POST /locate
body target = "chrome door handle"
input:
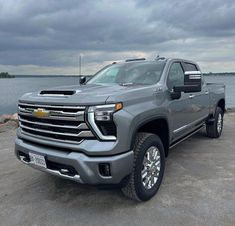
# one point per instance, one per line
(191, 96)
(206, 92)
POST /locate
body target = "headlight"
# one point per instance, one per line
(101, 120)
(105, 112)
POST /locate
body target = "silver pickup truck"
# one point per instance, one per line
(117, 128)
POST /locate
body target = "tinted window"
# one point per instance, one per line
(190, 67)
(175, 76)
(146, 73)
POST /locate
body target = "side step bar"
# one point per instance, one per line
(186, 137)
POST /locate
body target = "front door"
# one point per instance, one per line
(199, 100)
(180, 110)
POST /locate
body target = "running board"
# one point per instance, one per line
(187, 136)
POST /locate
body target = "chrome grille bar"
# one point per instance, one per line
(80, 134)
(52, 106)
(51, 139)
(53, 112)
(78, 118)
(30, 110)
(80, 126)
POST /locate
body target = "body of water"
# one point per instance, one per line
(12, 89)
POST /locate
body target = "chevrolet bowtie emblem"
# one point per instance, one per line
(41, 113)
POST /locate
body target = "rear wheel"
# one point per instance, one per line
(148, 168)
(214, 129)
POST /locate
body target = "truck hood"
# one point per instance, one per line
(90, 94)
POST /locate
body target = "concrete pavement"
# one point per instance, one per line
(198, 189)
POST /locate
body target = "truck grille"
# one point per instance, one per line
(58, 123)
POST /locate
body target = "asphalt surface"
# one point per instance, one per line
(198, 189)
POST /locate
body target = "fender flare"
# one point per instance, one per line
(145, 121)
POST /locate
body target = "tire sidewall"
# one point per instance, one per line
(143, 193)
(218, 112)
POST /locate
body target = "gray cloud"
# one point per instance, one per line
(202, 18)
(51, 33)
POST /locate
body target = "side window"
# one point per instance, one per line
(175, 76)
(190, 67)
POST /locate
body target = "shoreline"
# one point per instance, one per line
(8, 121)
(230, 109)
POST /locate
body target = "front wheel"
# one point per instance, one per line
(148, 168)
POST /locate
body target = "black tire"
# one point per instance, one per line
(134, 187)
(212, 129)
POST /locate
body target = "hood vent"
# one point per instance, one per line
(57, 92)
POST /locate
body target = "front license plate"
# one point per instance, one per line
(38, 160)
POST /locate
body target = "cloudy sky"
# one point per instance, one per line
(47, 36)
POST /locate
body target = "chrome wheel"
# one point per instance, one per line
(151, 167)
(219, 123)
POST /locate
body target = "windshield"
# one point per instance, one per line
(145, 73)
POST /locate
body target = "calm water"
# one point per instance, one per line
(12, 89)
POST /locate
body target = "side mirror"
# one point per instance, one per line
(192, 82)
(175, 95)
(82, 80)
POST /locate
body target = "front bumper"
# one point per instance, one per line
(86, 168)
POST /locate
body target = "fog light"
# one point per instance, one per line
(104, 169)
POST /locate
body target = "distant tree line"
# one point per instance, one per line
(5, 75)
(219, 73)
